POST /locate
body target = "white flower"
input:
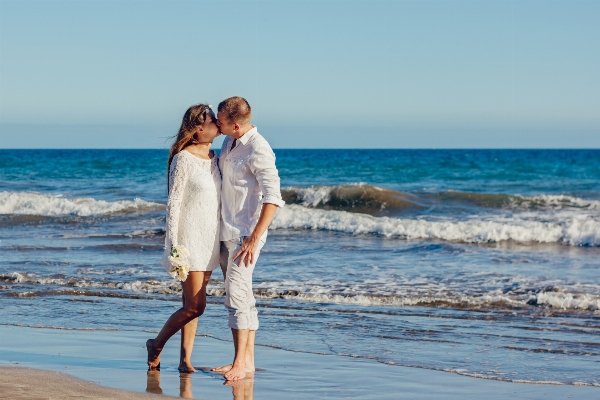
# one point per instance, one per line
(180, 268)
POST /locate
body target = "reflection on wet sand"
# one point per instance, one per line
(241, 390)
(153, 382)
(185, 386)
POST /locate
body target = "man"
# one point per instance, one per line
(250, 196)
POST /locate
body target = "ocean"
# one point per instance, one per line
(484, 263)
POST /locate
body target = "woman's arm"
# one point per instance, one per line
(177, 180)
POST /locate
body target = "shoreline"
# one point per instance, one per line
(115, 360)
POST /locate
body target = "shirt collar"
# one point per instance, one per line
(248, 135)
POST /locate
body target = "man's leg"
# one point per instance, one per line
(250, 350)
(224, 262)
(239, 368)
(243, 316)
(248, 353)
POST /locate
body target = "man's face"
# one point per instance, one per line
(225, 125)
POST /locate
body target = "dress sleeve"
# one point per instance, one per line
(178, 176)
(262, 165)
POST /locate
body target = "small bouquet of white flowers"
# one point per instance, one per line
(180, 267)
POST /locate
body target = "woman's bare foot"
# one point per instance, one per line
(153, 356)
(186, 368)
(222, 370)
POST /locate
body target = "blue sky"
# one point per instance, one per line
(317, 73)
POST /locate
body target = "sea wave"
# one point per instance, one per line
(149, 286)
(359, 198)
(558, 301)
(30, 203)
(376, 200)
(564, 299)
(138, 233)
(573, 230)
(544, 202)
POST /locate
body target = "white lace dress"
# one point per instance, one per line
(193, 218)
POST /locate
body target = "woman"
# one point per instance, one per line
(194, 184)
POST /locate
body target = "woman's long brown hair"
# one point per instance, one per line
(193, 117)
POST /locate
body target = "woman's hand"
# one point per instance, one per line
(247, 252)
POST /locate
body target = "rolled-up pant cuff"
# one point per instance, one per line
(249, 322)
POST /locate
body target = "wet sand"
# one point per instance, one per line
(116, 359)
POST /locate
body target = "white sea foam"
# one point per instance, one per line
(398, 296)
(569, 301)
(29, 203)
(572, 229)
(314, 195)
(562, 201)
(150, 286)
(563, 301)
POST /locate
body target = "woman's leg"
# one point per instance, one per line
(194, 292)
(188, 334)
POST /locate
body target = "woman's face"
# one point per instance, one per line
(209, 129)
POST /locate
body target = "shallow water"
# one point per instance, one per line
(483, 263)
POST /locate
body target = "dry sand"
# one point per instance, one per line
(27, 383)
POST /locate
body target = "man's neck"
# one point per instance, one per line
(243, 130)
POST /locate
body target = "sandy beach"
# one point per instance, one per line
(111, 364)
(27, 383)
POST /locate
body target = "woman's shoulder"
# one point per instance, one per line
(179, 159)
(182, 155)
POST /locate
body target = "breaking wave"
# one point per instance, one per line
(375, 200)
(358, 198)
(571, 230)
(29, 203)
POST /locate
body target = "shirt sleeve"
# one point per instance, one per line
(178, 176)
(262, 165)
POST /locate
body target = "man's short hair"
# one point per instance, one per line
(237, 109)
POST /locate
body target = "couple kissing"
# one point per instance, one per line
(218, 211)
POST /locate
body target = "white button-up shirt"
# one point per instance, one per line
(250, 179)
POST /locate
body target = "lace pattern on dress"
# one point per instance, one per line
(193, 218)
(177, 180)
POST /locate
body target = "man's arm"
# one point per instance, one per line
(248, 250)
(262, 165)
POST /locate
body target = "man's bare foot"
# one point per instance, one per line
(225, 369)
(222, 370)
(186, 368)
(238, 372)
(153, 356)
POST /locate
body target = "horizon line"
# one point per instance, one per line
(319, 148)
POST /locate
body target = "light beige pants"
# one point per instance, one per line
(239, 299)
